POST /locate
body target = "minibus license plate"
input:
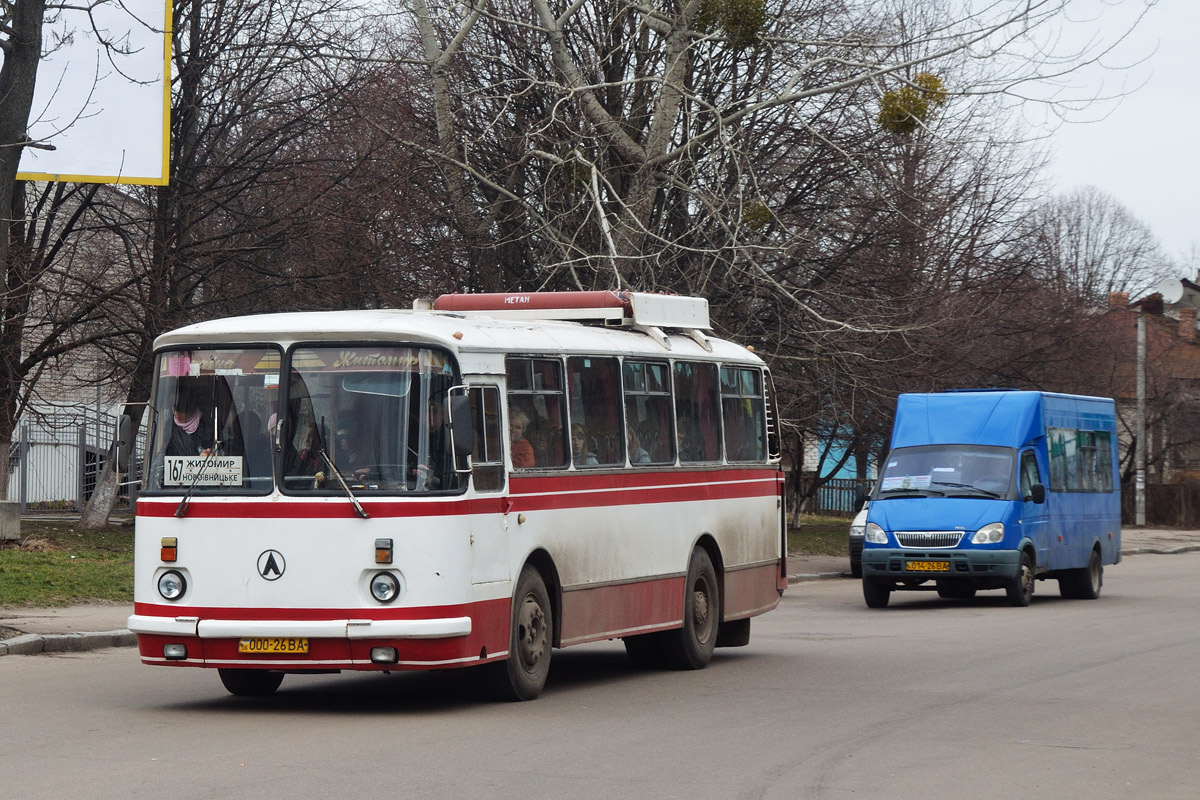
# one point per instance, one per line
(927, 566)
(273, 644)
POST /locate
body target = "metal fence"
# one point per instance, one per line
(55, 461)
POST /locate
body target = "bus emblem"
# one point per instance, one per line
(271, 565)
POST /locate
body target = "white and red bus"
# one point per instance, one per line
(473, 482)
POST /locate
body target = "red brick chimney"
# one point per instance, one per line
(1118, 299)
(1187, 323)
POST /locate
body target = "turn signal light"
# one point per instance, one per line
(170, 549)
(383, 551)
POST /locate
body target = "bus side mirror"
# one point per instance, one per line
(462, 429)
(1037, 493)
(860, 497)
(123, 443)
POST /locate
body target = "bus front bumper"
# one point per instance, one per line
(328, 628)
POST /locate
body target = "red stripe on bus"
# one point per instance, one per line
(570, 490)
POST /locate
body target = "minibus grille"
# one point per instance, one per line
(928, 538)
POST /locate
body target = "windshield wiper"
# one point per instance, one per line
(362, 512)
(897, 494)
(988, 492)
(181, 509)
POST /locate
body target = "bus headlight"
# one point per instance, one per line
(989, 534)
(874, 534)
(172, 585)
(384, 587)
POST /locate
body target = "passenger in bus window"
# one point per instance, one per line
(348, 459)
(187, 427)
(584, 455)
(637, 453)
(522, 450)
(686, 452)
(438, 473)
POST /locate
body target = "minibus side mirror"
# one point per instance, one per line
(462, 431)
(1037, 493)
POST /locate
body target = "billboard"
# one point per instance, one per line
(103, 95)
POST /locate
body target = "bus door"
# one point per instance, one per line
(489, 536)
(1035, 517)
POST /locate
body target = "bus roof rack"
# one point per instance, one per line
(629, 308)
(642, 311)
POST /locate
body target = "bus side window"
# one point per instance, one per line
(487, 460)
(593, 388)
(537, 405)
(697, 409)
(743, 412)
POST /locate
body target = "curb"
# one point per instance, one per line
(34, 643)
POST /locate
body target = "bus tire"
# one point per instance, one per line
(250, 682)
(875, 593)
(1083, 583)
(691, 646)
(1020, 589)
(522, 675)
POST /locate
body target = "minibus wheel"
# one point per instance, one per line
(691, 647)
(1084, 583)
(1020, 590)
(522, 675)
(250, 682)
(875, 593)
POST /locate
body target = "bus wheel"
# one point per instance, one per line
(523, 674)
(1083, 583)
(250, 682)
(1020, 591)
(875, 593)
(691, 647)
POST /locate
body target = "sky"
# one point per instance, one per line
(1145, 152)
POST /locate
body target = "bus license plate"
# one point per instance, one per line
(927, 566)
(272, 644)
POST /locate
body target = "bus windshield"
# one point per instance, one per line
(948, 470)
(372, 417)
(359, 418)
(209, 427)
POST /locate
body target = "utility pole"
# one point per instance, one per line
(1139, 488)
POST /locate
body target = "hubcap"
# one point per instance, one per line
(531, 632)
(701, 618)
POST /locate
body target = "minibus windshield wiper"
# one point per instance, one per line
(362, 512)
(898, 494)
(972, 488)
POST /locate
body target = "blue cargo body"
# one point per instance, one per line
(995, 490)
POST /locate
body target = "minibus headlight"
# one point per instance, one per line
(171, 585)
(874, 534)
(989, 534)
(384, 587)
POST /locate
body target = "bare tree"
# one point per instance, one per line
(1089, 246)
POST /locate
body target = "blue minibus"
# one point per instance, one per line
(995, 489)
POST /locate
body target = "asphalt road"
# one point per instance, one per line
(925, 699)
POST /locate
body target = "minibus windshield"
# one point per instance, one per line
(950, 471)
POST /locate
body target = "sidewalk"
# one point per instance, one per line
(87, 627)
